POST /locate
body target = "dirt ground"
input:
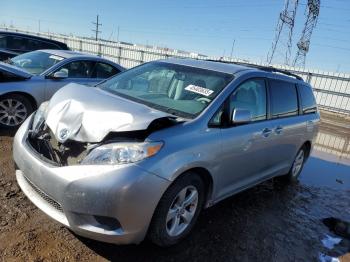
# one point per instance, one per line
(270, 222)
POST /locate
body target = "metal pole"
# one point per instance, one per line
(233, 45)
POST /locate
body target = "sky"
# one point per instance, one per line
(203, 26)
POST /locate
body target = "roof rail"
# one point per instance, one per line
(264, 68)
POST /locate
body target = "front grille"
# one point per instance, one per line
(50, 150)
(45, 197)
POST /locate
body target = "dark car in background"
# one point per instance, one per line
(13, 44)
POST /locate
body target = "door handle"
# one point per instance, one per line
(266, 132)
(278, 130)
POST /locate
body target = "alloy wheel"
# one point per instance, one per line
(182, 211)
(298, 163)
(12, 112)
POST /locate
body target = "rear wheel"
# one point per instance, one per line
(178, 210)
(14, 109)
(297, 165)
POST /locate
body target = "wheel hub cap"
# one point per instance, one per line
(182, 211)
(298, 163)
(12, 112)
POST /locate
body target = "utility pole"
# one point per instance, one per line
(118, 35)
(97, 24)
(39, 24)
(233, 45)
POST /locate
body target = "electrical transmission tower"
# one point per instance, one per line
(282, 44)
(97, 26)
(313, 10)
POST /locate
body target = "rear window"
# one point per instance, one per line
(284, 101)
(308, 102)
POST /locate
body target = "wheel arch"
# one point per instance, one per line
(31, 99)
(207, 178)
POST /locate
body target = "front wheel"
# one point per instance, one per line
(177, 211)
(14, 109)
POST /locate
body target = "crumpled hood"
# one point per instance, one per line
(14, 70)
(88, 114)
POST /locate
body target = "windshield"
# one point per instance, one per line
(36, 62)
(176, 89)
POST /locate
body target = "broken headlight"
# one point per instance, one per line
(39, 117)
(121, 153)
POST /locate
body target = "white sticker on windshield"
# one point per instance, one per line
(199, 90)
(56, 57)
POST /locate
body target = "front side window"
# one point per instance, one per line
(308, 102)
(251, 95)
(284, 99)
(177, 89)
(103, 70)
(36, 62)
(78, 69)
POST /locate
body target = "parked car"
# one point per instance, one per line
(146, 150)
(13, 44)
(34, 77)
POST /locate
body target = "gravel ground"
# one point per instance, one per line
(270, 222)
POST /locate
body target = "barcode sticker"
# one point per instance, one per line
(199, 90)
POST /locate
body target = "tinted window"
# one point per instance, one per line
(103, 70)
(78, 69)
(308, 102)
(251, 95)
(48, 45)
(25, 43)
(3, 41)
(16, 43)
(284, 101)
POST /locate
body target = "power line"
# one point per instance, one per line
(97, 24)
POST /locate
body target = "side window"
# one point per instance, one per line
(78, 69)
(16, 43)
(48, 45)
(103, 70)
(308, 102)
(284, 100)
(31, 44)
(3, 41)
(251, 95)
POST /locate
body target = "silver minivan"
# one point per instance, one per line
(143, 152)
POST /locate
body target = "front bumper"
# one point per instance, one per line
(77, 196)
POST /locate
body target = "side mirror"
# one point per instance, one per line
(241, 116)
(60, 75)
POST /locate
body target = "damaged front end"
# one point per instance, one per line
(84, 125)
(126, 147)
(44, 143)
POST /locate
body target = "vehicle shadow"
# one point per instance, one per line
(242, 227)
(8, 132)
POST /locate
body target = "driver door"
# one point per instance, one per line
(246, 156)
(79, 72)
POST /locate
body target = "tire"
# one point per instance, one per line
(163, 230)
(14, 109)
(297, 166)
